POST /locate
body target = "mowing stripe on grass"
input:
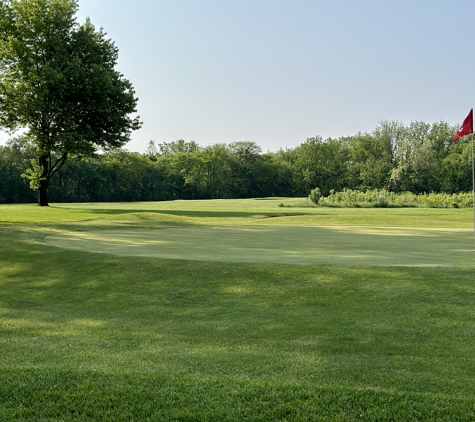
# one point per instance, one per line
(338, 245)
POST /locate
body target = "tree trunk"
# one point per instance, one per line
(43, 194)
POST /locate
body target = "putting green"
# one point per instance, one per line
(337, 245)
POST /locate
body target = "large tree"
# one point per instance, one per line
(59, 86)
(321, 164)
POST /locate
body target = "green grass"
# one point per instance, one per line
(340, 245)
(87, 336)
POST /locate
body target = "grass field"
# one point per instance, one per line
(115, 337)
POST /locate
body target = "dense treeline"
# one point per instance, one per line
(417, 158)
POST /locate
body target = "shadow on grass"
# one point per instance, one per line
(85, 334)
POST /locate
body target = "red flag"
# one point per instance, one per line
(466, 128)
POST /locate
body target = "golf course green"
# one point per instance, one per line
(310, 245)
(236, 310)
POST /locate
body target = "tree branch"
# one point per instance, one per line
(58, 164)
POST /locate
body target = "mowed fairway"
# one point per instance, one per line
(236, 310)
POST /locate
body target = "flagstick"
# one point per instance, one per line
(473, 189)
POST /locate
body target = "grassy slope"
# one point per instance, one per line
(89, 336)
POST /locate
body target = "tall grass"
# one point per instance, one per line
(381, 198)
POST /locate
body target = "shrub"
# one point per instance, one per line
(315, 195)
(381, 198)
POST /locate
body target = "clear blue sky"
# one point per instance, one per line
(279, 71)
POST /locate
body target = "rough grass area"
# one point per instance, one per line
(88, 336)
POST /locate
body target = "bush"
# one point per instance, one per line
(315, 195)
(381, 198)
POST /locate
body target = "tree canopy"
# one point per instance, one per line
(418, 158)
(59, 86)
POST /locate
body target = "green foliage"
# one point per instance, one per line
(13, 163)
(320, 163)
(58, 83)
(392, 159)
(381, 198)
(315, 196)
(34, 175)
(370, 161)
(419, 157)
(169, 148)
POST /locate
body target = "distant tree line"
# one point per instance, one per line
(417, 158)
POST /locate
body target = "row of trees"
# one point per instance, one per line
(417, 158)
